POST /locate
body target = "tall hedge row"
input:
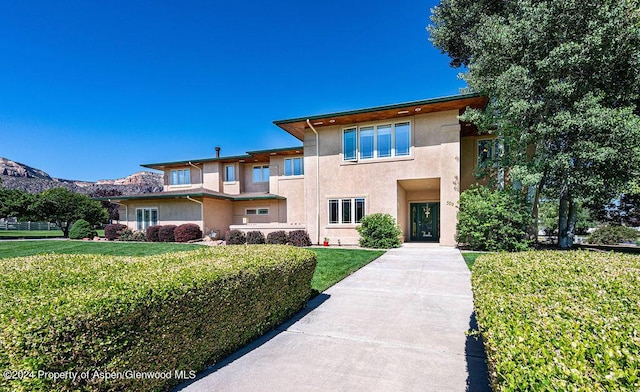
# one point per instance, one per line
(559, 321)
(163, 313)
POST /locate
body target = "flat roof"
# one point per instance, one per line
(297, 126)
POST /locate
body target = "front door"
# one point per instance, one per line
(425, 221)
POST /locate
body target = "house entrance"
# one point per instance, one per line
(425, 221)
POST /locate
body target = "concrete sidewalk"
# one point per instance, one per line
(398, 324)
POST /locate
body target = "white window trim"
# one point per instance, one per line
(151, 222)
(184, 184)
(375, 125)
(284, 169)
(246, 211)
(261, 173)
(353, 210)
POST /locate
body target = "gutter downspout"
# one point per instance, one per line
(317, 181)
(201, 210)
(201, 175)
(126, 210)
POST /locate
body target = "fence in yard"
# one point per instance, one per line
(28, 226)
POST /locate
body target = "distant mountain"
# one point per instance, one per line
(15, 175)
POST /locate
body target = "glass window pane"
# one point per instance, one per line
(154, 217)
(333, 211)
(251, 212)
(174, 177)
(257, 174)
(359, 210)
(384, 141)
(485, 150)
(346, 210)
(349, 142)
(139, 219)
(288, 167)
(187, 176)
(403, 138)
(265, 173)
(297, 167)
(230, 173)
(366, 142)
(263, 211)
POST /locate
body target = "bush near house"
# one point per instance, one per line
(166, 233)
(82, 229)
(277, 237)
(112, 232)
(613, 235)
(299, 238)
(493, 220)
(173, 311)
(152, 233)
(255, 237)
(558, 321)
(379, 231)
(131, 235)
(187, 232)
(235, 237)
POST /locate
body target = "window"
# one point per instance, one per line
(261, 174)
(256, 211)
(349, 144)
(486, 150)
(377, 141)
(346, 211)
(230, 173)
(146, 217)
(293, 167)
(180, 177)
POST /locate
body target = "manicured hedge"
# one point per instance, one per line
(560, 320)
(169, 312)
(187, 232)
(166, 233)
(112, 232)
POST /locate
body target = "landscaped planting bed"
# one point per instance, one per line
(560, 320)
(166, 313)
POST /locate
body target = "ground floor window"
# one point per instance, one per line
(146, 217)
(257, 211)
(346, 211)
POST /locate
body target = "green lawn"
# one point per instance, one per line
(333, 264)
(336, 264)
(470, 258)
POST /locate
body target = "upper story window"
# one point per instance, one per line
(261, 174)
(229, 173)
(376, 141)
(486, 150)
(180, 177)
(293, 167)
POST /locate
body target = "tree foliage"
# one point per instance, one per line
(63, 207)
(563, 77)
(17, 204)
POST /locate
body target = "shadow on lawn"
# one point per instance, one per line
(314, 303)
(477, 371)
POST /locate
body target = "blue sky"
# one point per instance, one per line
(92, 89)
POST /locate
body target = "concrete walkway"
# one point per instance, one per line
(398, 324)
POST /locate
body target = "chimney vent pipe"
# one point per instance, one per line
(217, 152)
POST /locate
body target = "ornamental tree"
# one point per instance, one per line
(563, 77)
(63, 207)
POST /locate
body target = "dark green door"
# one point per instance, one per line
(425, 221)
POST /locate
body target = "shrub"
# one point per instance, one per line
(299, 238)
(235, 237)
(131, 235)
(187, 232)
(81, 229)
(558, 321)
(277, 237)
(493, 220)
(379, 231)
(255, 237)
(166, 233)
(112, 232)
(152, 233)
(174, 311)
(613, 235)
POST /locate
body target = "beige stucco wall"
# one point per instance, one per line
(170, 211)
(212, 174)
(290, 187)
(218, 216)
(435, 153)
(274, 206)
(247, 178)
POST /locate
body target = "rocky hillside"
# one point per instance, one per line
(15, 175)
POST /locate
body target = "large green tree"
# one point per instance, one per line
(63, 207)
(563, 77)
(15, 203)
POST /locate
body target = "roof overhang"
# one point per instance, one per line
(185, 195)
(297, 126)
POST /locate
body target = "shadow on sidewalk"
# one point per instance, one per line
(477, 371)
(311, 305)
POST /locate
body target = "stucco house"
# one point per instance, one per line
(410, 160)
